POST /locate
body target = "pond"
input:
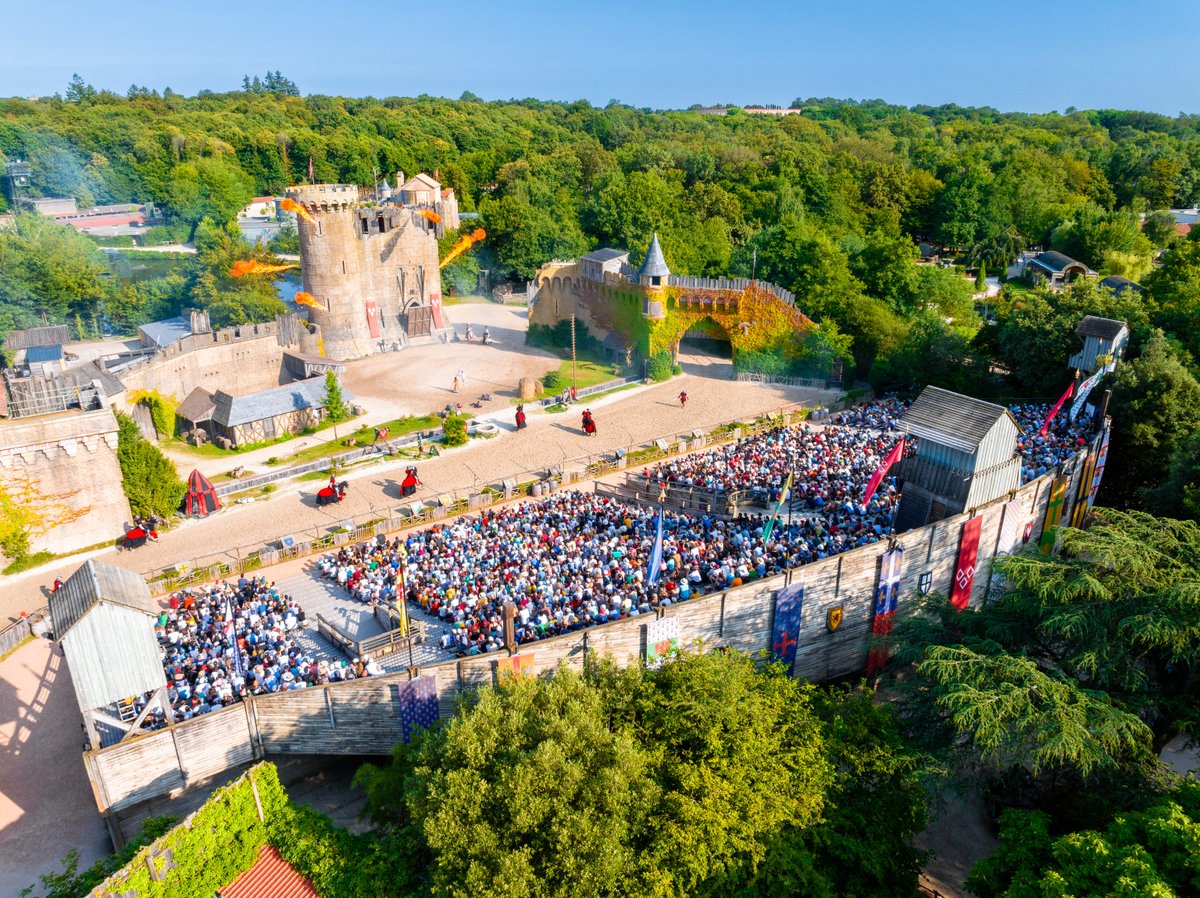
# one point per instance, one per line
(128, 268)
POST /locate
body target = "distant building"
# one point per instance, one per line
(50, 205)
(595, 265)
(42, 340)
(1056, 269)
(966, 457)
(1185, 220)
(1102, 337)
(1118, 284)
(260, 207)
(268, 414)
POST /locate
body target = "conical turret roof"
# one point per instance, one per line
(655, 265)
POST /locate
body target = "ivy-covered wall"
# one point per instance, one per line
(221, 840)
(754, 320)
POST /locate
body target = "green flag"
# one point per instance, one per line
(783, 497)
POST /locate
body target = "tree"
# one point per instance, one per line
(1147, 853)
(334, 400)
(1156, 405)
(612, 782)
(1175, 288)
(151, 483)
(981, 279)
(230, 300)
(210, 187)
(1159, 228)
(1084, 665)
(1179, 495)
(79, 91)
(28, 510)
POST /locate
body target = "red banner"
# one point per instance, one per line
(373, 320)
(877, 478)
(964, 571)
(1054, 411)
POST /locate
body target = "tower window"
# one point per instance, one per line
(343, 266)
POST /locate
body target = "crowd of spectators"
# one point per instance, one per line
(224, 642)
(577, 559)
(1063, 439)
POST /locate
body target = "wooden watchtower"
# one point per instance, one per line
(966, 457)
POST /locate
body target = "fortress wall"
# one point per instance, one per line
(237, 366)
(362, 716)
(71, 452)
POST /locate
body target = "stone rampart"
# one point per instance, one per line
(70, 453)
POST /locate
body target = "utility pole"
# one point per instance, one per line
(753, 263)
(573, 383)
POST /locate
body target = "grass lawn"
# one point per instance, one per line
(365, 436)
(212, 450)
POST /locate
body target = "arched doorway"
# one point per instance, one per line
(705, 350)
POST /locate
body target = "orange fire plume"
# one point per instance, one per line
(431, 215)
(307, 299)
(243, 267)
(287, 204)
(464, 244)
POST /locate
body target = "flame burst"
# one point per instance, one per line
(243, 267)
(431, 215)
(287, 204)
(464, 244)
(307, 299)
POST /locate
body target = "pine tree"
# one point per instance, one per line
(336, 407)
(150, 480)
(981, 279)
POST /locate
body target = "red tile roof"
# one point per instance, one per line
(270, 877)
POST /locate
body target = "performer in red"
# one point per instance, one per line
(589, 424)
(521, 425)
(409, 484)
(682, 398)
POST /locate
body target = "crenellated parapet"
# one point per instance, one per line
(318, 198)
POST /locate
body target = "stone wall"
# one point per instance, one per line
(65, 453)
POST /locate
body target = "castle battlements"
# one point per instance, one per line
(318, 198)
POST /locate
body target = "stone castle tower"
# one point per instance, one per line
(373, 267)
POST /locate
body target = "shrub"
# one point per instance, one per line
(455, 429)
(554, 381)
(661, 366)
(151, 483)
(760, 362)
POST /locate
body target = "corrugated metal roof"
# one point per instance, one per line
(96, 581)
(1104, 328)
(234, 410)
(112, 654)
(53, 335)
(198, 406)
(655, 265)
(35, 354)
(1117, 284)
(270, 877)
(953, 419)
(164, 333)
(1055, 262)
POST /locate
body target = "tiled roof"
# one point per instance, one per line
(1104, 328)
(604, 255)
(270, 877)
(54, 335)
(952, 419)
(198, 406)
(234, 410)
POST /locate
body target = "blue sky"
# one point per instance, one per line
(1013, 54)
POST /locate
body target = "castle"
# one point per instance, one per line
(371, 263)
(636, 313)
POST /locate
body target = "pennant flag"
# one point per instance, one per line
(1087, 386)
(783, 497)
(515, 666)
(418, 705)
(1055, 410)
(662, 638)
(877, 477)
(1053, 515)
(656, 554)
(231, 635)
(886, 595)
(964, 572)
(789, 602)
(1101, 460)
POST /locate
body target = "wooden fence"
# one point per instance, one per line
(22, 628)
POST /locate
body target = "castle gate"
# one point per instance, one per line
(418, 319)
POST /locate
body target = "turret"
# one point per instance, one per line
(653, 277)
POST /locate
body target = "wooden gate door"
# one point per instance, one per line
(419, 321)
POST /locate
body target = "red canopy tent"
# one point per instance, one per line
(201, 498)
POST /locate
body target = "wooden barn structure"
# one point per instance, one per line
(268, 414)
(103, 616)
(1101, 337)
(966, 457)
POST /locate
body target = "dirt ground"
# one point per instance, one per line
(46, 803)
